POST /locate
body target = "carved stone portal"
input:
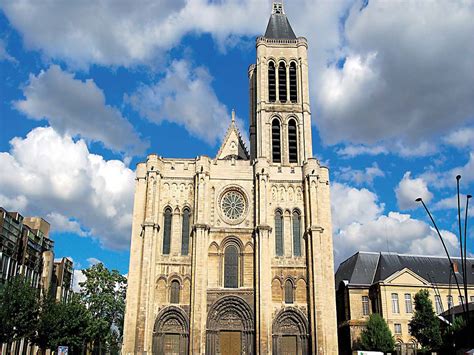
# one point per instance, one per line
(290, 332)
(171, 332)
(230, 317)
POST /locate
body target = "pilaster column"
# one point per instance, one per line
(199, 258)
(263, 253)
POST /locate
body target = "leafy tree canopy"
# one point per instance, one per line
(103, 293)
(425, 325)
(18, 310)
(377, 336)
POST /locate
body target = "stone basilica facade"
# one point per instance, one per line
(234, 254)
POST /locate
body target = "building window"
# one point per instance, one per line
(231, 267)
(398, 328)
(288, 291)
(472, 299)
(296, 234)
(271, 82)
(282, 82)
(293, 87)
(408, 304)
(395, 306)
(185, 233)
(438, 305)
(450, 301)
(167, 231)
(461, 299)
(292, 142)
(276, 141)
(174, 292)
(365, 305)
(278, 233)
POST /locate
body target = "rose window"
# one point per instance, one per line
(233, 205)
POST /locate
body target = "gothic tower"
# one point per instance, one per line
(233, 254)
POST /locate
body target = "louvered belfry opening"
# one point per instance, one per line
(282, 82)
(271, 82)
(293, 88)
(276, 141)
(292, 142)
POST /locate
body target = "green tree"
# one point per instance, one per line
(425, 325)
(377, 336)
(65, 323)
(103, 293)
(18, 311)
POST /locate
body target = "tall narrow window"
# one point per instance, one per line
(461, 299)
(167, 231)
(365, 305)
(185, 233)
(408, 303)
(296, 234)
(174, 292)
(450, 301)
(276, 141)
(288, 291)
(231, 267)
(278, 233)
(271, 82)
(282, 82)
(292, 142)
(293, 88)
(395, 306)
(439, 306)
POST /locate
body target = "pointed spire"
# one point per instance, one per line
(278, 26)
(233, 116)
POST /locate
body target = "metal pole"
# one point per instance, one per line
(444, 246)
(465, 266)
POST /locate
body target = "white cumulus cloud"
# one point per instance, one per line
(408, 190)
(78, 190)
(78, 107)
(185, 96)
(360, 225)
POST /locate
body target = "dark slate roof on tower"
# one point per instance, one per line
(365, 268)
(278, 26)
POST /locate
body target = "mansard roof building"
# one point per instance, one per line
(234, 254)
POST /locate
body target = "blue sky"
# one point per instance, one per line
(88, 89)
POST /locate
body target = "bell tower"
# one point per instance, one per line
(280, 115)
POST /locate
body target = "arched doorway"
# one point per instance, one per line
(171, 332)
(290, 333)
(230, 327)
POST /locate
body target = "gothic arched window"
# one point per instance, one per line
(174, 292)
(185, 233)
(292, 142)
(278, 233)
(271, 82)
(288, 291)
(231, 267)
(282, 82)
(293, 87)
(167, 231)
(276, 141)
(296, 234)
